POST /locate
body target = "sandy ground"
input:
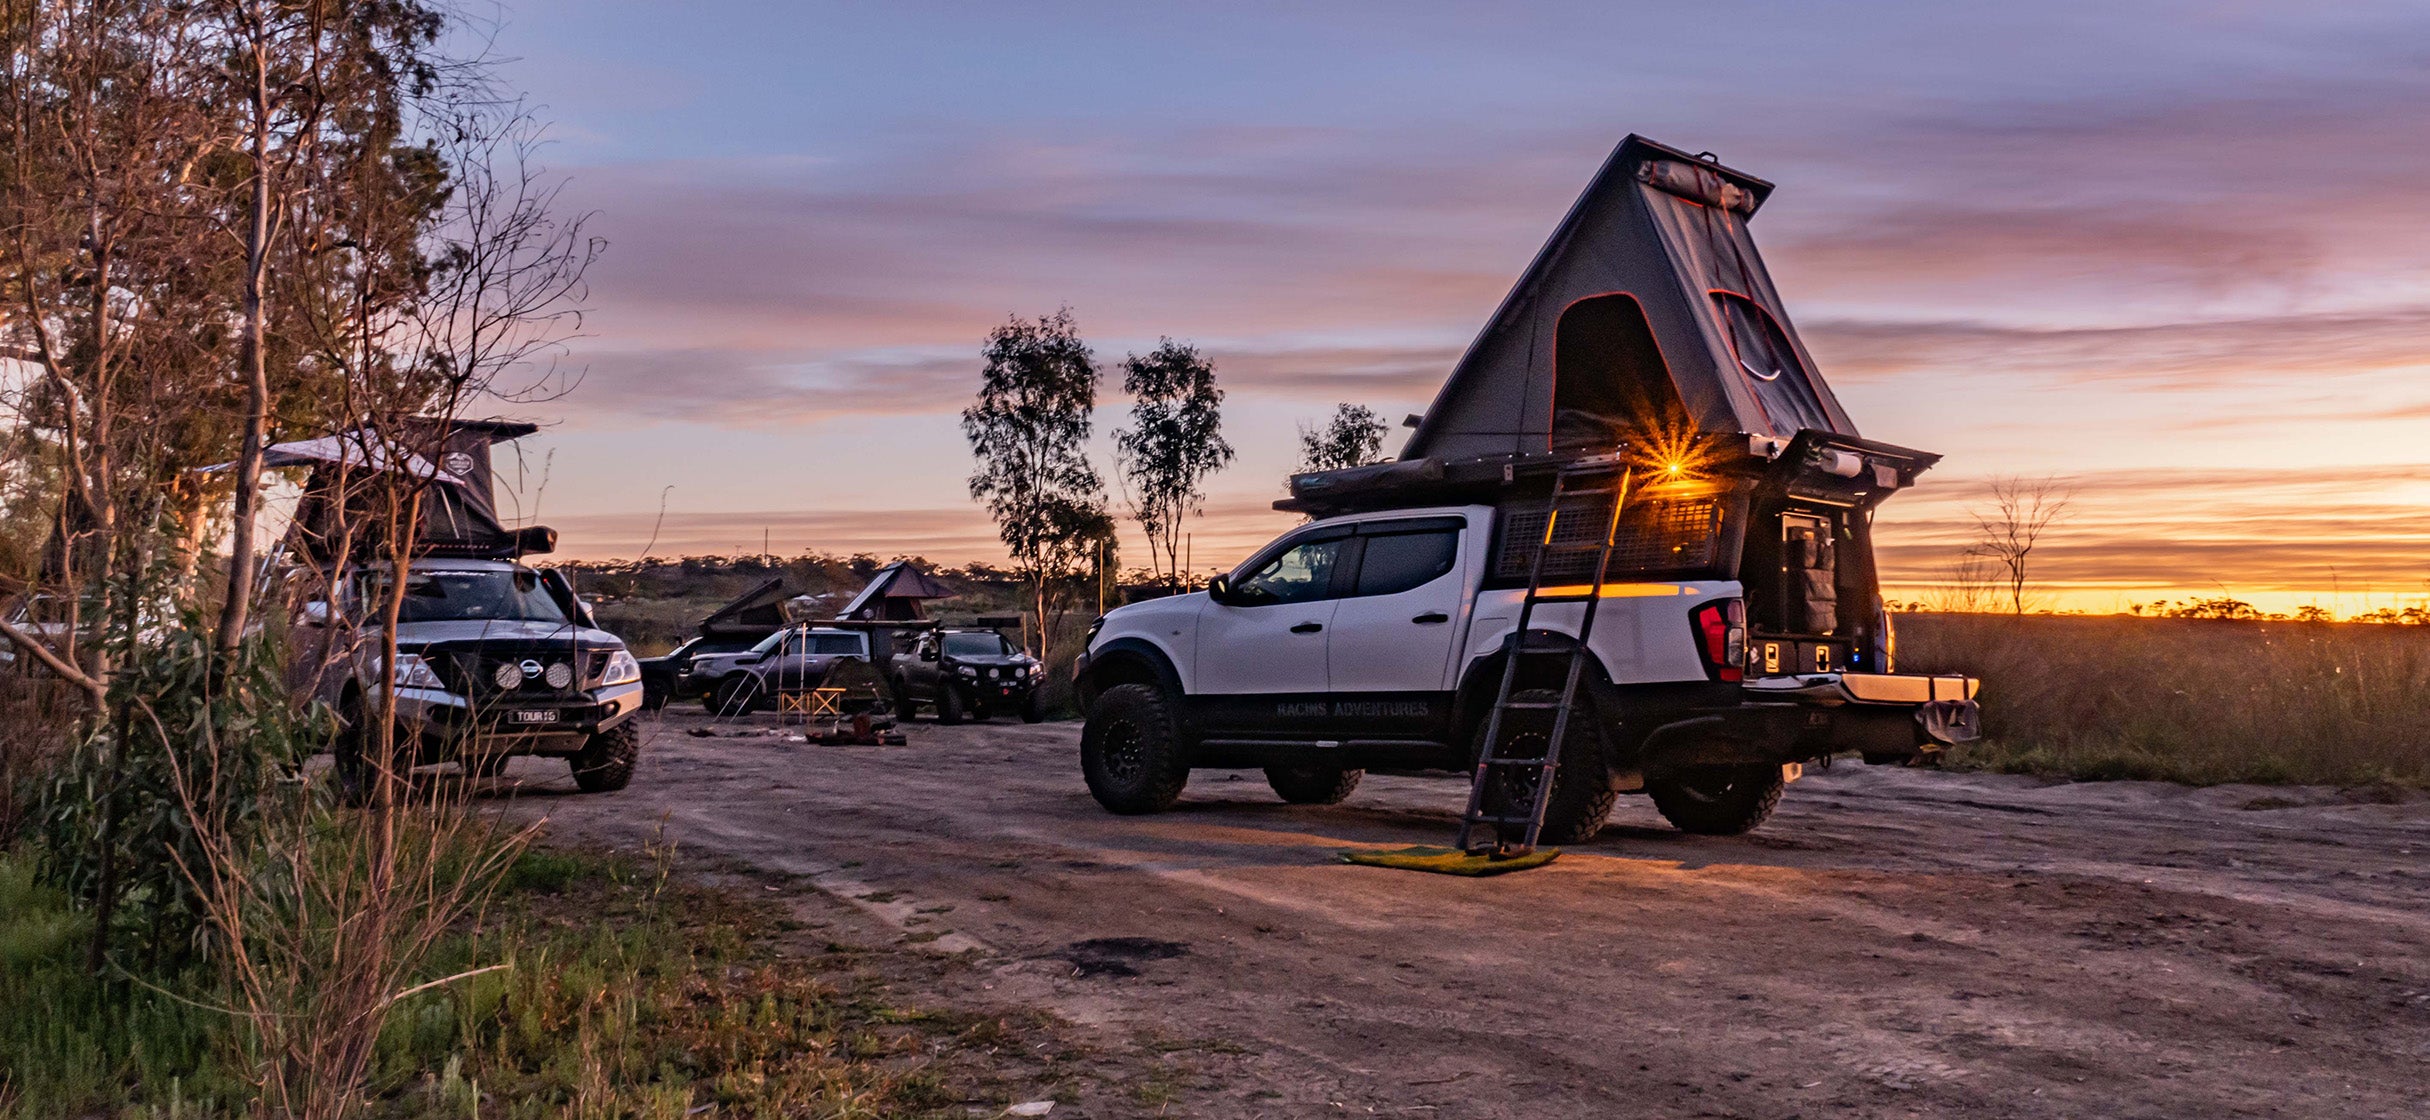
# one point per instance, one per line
(1893, 943)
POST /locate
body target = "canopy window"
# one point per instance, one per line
(1608, 375)
(1768, 361)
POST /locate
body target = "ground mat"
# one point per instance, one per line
(1448, 861)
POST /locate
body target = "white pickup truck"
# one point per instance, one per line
(1740, 636)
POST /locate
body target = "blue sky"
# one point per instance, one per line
(2179, 253)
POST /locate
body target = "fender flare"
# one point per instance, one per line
(1125, 660)
(1484, 674)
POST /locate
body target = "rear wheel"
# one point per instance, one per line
(1582, 792)
(904, 706)
(949, 704)
(736, 695)
(1717, 800)
(1313, 785)
(605, 763)
(1130, 751)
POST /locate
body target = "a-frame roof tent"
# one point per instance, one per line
(1649, 306)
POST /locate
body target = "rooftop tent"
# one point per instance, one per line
(759, 611)
(458, 508)
(1648, 307)
(894, 595)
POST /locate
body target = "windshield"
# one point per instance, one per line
(975, 645)
(511, 596)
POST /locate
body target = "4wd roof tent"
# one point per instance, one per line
(895, 594)
(458, 510)
(1648, 312)
(760, 611)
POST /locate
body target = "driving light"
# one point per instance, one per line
(622, 668)
(414, 672)
(559, 675)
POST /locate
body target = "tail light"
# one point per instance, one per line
(1721, 632)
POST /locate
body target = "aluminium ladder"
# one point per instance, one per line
(1493, 761)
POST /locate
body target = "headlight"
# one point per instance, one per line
(622, 668)
(413, 672)
(1036, 669)
(968, 671)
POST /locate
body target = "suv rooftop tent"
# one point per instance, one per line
(1648, 314)
(895, 594)
(458, 510)
(759, 612)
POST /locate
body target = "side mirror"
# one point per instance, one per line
(1220, 589)
(316, 613)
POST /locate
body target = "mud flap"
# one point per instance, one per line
(1950, 721)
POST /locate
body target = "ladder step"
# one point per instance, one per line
(1538, 763)
(1531, 705)
(1481, 819)
(1542, 598)
(1572, 549)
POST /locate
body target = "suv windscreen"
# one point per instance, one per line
(976, 645)
(445, 596)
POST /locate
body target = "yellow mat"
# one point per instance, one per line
(1447, 861)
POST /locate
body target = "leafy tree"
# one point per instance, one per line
(1029, 432)
(1174, 442)
(1352, 437)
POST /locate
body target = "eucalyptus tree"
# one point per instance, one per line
(1352, 437)
(1029, 432)
(1174, 443)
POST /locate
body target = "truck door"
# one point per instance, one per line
(1389, 649)
(1261, 651)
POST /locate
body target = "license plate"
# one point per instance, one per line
(540, 715)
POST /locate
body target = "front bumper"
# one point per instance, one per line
(1887, 718)
(539, 725)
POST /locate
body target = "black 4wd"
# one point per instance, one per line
(966, 673)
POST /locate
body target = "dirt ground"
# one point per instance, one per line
(1893, 943)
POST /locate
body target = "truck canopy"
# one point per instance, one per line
(1649, 309)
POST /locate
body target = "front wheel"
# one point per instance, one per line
(1313, 785)
(1033, 708)
(1130, 751)
(605, 763)
(736, 695)
(1717, 800)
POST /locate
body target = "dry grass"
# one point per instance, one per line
(2191, 700)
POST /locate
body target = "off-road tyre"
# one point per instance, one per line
(605, 763)
(949, 704)
(1582, 793)
(1313, 785)
(736, 695)
(904, 706)
(1717, 800)
(1130, 751)
(1033, 707)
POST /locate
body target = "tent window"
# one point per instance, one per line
(1608, 374)
(1769, 360)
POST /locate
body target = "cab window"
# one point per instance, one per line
(1298, 574)
(1397, 562)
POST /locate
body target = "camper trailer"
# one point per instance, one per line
(1635, 469)
(492, 658)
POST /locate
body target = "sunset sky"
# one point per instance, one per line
(2178, 253)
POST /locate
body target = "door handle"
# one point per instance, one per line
(1307, 627)
(1431, 617)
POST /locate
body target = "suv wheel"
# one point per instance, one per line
(605, 763)
(1130, 751)
(949, 703)
(1033, 707)
(735, 696)
(904, 706)
(1582, 792)
(1313, 785)
(1717, 800)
